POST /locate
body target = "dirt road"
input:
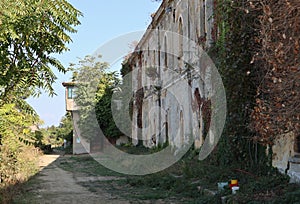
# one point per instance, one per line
(55, 185)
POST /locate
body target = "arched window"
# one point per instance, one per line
(202, 37)
(180, 54)
(165, 53)
(180, 31)
(181, 129)
(297, 144)
(167, 127)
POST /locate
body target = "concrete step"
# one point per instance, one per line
(294, 164)
(294, 169)
(295, 176)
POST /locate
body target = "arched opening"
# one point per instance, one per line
(153, 133)
(181, 129)
(148, 51)
(202, 26)
(297, 145)
(167, 128)
(197, 97)
(158, 53)
(165, 53)
(180, 45)
(204, 17)
(198, 101)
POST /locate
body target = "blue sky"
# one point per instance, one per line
(102, 22)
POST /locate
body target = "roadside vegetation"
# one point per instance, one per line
(261, 78)
(30, 33)
(194, 181)
(187, 181)
(255, 117)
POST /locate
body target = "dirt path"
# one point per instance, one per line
(54, 185)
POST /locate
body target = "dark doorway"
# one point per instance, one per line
(167, 129)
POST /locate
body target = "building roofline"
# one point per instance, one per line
(155, 20)
(65, 84)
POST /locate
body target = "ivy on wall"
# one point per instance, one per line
(257, 54)
(277, 109)
(232, 54)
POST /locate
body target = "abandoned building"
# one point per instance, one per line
(160, 59)
(80, 144)
(160, 51)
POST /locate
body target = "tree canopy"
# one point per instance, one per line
(95, 87)
(31, 31)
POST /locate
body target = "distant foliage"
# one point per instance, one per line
(105, 105)
(95, 86)
(55, 135)
(65, 128)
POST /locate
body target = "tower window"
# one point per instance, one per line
(71, 93)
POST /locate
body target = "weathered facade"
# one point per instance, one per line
(169, 98)
(286, 155)
(171, 103)
(80, 146)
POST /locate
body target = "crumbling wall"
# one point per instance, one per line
(283, 150)
(80, 145)
(161, 58)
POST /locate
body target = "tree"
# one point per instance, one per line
(54, 135)
(104, 105)
(65, 129)
(95, 86)
(31, 31)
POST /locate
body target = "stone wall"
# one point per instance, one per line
(283, 150)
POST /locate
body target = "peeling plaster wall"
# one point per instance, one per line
(80, 145)
(283, 149)
(180, 117)
(177, 119)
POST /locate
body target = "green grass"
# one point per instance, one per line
(180, 183)
(25, 194)
(85, 164)
(138, 150)
(162, 185)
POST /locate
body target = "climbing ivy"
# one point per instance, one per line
(257, 54)
(233, 53)
(277, 109)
